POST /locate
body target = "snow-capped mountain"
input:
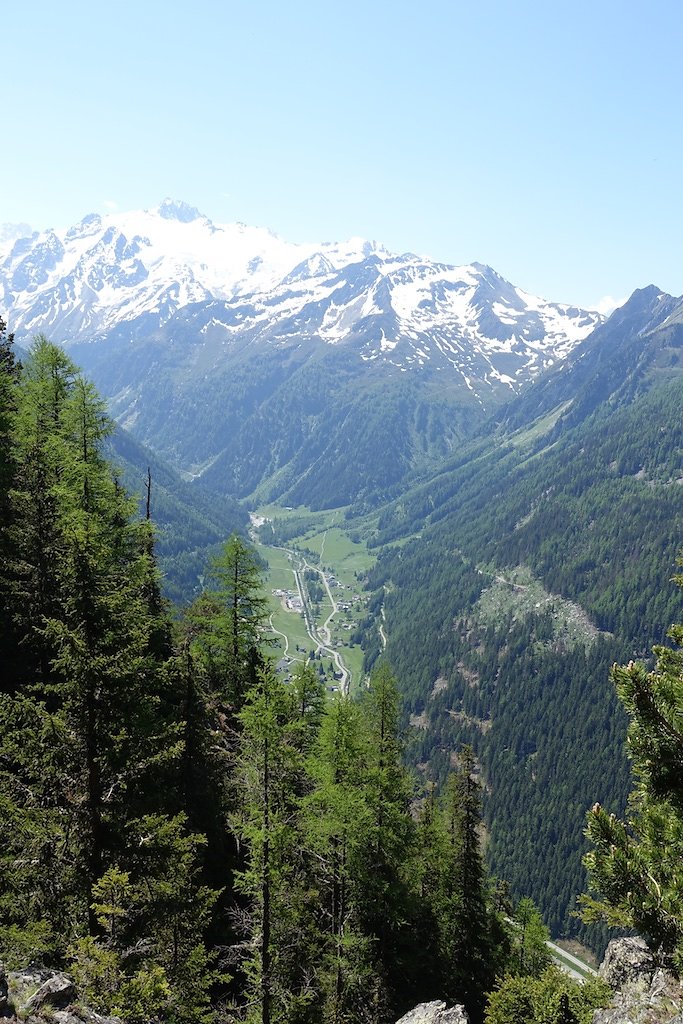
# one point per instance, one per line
(410, 312)
(323, 373)
(78, 283)
(106, 272)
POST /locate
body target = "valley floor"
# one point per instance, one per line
(315, 582)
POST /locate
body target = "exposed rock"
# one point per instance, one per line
(35, 995)
(435, 1013)
(84, 1015)
(57, 992)
(626, 961)
(644, 994)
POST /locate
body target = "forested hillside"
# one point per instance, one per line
(544, 555)
(194, 839)
(190, 523)
(279, 420)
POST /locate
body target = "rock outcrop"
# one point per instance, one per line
(435, 1013)
(645, 993)
(35, 995)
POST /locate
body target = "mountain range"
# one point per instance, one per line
(513, 576)
(170, 314)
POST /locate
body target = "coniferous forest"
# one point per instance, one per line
(196, 840)
(188, 835)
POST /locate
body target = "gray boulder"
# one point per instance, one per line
(4, 988)
(57, 992)
(84, 1015)
(435, 1013)
(644, 993)
(627, 961)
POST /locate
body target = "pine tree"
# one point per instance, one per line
(636, 865)
(466, 924)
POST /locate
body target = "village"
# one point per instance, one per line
(318, 608)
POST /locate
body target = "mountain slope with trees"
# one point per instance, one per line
(543, 556)
(195, 839)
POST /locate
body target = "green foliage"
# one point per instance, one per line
(529, 954)
(171, 806)
(97, 860)
(635, 864)
(595, 520)
(237, 612)
(470, 943)
(144, 996)
(551, 998)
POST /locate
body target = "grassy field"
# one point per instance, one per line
(341, 554)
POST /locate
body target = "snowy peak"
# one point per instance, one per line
(176, 209)
(315, 266)
(143, 267)
(110, 269)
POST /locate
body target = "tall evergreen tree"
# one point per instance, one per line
(338, 833)
(387, 907)
(466, 919)
(90, 740)
(237, 618)
(9, 373)
(636, 865)
(268, 776)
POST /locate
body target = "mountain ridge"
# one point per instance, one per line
(78, 284)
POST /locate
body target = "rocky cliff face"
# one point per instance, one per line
(645, 993)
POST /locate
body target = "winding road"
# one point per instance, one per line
(321, 637)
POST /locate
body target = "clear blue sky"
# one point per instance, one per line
(543, 138)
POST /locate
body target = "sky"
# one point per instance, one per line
(542, 138)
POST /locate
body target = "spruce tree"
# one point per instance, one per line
(636, 865)
(466, 925)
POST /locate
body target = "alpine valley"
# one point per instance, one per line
(513, 465)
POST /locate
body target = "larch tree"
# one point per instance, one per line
(237, 618)
(338, 826)
(268, 779)
(387, 905)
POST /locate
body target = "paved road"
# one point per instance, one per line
(561, 956)
(382, 634)
(320, 637)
